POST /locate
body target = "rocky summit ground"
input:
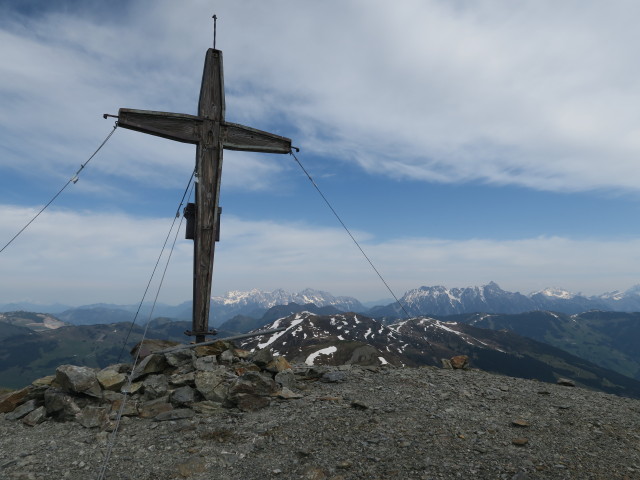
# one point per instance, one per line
(357, 423)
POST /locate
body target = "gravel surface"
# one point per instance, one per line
(387, 423)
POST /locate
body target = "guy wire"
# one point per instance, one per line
(127, 389)
(73, 179)
(352, 237)
(133, 322)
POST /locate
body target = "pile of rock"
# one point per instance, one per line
(456, 363)
(166, 384)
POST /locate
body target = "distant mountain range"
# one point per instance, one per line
(435, 300)
(253, 303)
(491, 298)
(256, 302)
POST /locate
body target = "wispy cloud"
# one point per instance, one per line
(95, 258)
(533, 94)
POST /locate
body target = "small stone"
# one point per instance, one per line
(135, 387)
(344, 464)
(333, 377)
(60, 405)
(330, 399)
(278, 364)
(37, 416)
(72, 378)
(180, 358)
(242, 354)
(214, 349)
(459, 361)
(150, 345)
(152, 363)
(262, 357)
(565, 382)
(521, 423)
(208, 363)
(286, 378)
(251, 367)
(212, 385)
(287, 394)
(155, 407)
(176, 414)
(227, 356)
(21, 410)
(183, 396)
(520, 441)
(92, 417)
(155, 386)
(251, 391)
(359, 405)
(446, 364)
(130, 408)
(110, 397)
(179, 380)
(207, 407)
(44, 381)
(310, 373)
(111, 379)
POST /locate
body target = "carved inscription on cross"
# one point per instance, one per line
(211, 134)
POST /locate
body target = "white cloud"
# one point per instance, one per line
(83, 258)
(537, 94)
(534, 94)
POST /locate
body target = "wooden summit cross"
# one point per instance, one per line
(211, 133)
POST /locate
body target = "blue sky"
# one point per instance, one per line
(462, 142)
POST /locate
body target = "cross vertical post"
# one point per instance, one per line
(211, 133)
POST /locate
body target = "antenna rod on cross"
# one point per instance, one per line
(215, 20)
(211, 133)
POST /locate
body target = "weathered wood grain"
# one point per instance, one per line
(174, 126)
(211, 134)
(239, 137)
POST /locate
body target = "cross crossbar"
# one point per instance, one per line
(186, 128)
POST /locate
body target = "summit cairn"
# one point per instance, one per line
(167, 384)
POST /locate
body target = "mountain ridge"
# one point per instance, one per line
(425, 300)
(347, 337)
(490, 298)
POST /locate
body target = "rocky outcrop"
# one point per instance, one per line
(165, 384)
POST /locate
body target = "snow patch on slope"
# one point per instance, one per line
(325, 351)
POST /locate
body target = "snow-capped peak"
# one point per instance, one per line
(615, 295)
(555, 293)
